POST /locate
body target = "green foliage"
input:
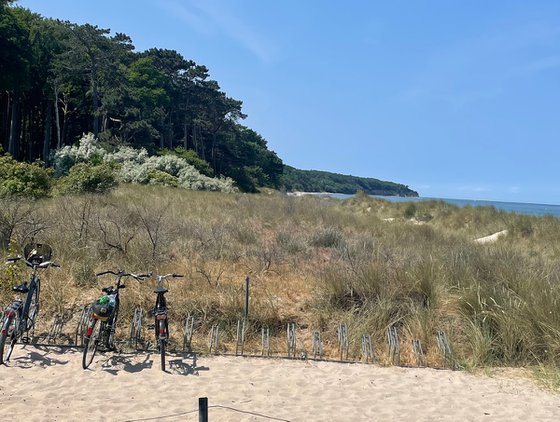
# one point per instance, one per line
(322, 181)
(158, 177)
(147, 83)
(15, 50)
(88, 178)
(251, 164)
(22, 179)
(10, 274)
(93, 81)
(410, 210)
(191, 157)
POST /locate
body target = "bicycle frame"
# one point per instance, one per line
(25, 323)
(107, 325)
(161, 325)
(20, 308)
(17, 320)
(160, 314)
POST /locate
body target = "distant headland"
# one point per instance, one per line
(295, 180)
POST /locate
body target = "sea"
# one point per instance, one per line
(516, 207)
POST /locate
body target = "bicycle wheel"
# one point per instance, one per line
(113, 329)
(91, 342)
(162, 351)
(162, 341)
(33, 309)
(7, 339)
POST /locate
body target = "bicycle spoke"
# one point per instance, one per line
(91, 342)
(7, 339)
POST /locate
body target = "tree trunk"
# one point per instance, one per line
(104, 122)
(194, 139)
(27, 138)
(13, 144)
(94, 97)
(57, 117)
(48, 132)
(5, 123)
(213, 151)
(64, 120)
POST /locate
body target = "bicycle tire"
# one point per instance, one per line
(91, 343)
(136, 328)
(162, 351)
(33, 309)
(5, 334)
(111, 335)
(162, 340)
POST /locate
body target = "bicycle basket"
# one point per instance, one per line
(37, 253)
(102, 308)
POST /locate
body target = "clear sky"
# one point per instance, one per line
(454, 98)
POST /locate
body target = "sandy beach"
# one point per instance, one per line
(47, 384)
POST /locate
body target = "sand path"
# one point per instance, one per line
(48, 384)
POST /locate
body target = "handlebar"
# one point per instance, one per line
(163, 277)
(121, 274)
(45, 264)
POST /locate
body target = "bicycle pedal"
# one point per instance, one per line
(26, 340)
(151, 326)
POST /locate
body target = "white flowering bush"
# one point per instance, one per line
(190, 178)
(86, 150)
(127, 154)
(137, 166)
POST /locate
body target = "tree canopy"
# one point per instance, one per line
(61, 80)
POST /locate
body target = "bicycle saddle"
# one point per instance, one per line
(22, 288)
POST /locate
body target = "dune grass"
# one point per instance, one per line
(313, 261)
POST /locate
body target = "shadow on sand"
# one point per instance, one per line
(177, 363)
(41, 356)
(181, 366)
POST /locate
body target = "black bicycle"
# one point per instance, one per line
(159, 311)
(20, 316)
(103, 317)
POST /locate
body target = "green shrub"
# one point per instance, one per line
(87, 178)
(327, 238)
(410, 210)
(190, 157)
(158, 177)
(22, 179)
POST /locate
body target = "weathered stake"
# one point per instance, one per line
(246, 297)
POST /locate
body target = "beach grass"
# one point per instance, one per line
(313, 261)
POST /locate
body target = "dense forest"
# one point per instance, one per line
(60, 80)
(322, 181)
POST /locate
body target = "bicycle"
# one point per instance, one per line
(20, 316)
(103, 317)
(159, 312)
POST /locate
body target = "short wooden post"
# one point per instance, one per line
(203, 409)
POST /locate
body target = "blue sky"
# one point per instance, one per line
(456, 99)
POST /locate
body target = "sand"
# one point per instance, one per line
(48, 384)
(491, 238)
